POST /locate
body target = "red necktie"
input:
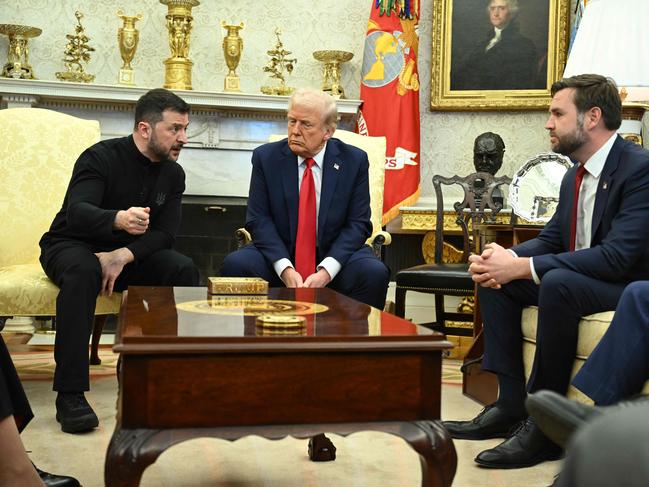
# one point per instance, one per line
(305, 241)
(575, 203)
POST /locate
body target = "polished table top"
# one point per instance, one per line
(163, 319)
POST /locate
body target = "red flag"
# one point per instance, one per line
(390, 94)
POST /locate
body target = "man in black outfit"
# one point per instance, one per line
(117, 226)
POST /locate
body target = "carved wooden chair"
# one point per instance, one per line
(375, 148)
(451, 278)
(38, 149)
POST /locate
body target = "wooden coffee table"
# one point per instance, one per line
(198, 366)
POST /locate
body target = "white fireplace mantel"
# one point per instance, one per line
(224, 127)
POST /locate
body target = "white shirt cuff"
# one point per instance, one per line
(280, 265)
(331, 265)
(534, 274)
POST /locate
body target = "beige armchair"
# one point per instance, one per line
(38, 149)
(375, 148)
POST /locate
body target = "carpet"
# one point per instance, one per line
(38, 363)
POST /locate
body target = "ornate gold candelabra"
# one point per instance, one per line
(18, 53)
(331, 70)
(77, 53)
(128, 37)
(178, 68)
(232, 47)
(279, 62)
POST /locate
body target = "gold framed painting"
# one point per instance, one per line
(497, 54)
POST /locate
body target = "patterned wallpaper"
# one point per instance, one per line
(447, 137)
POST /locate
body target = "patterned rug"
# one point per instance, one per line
(38, 363)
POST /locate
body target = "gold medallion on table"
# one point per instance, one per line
(251, 306)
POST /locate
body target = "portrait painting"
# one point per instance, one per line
(497, 54)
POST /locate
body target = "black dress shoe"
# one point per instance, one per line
(52, 480)
(492, 422)
(526, 447)
(74, 413)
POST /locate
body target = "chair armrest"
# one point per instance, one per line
(243, 237)
(379, 239)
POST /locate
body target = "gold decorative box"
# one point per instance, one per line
(236, 285)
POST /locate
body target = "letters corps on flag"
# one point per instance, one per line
(390, 94)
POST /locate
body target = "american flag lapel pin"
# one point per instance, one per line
(336, 166)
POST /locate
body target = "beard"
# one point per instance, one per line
(159, 152)
(573, 141)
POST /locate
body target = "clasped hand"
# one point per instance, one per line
(292, 278)
(494, 267)
(135, 220)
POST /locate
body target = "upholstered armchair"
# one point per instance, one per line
(375, 148)
(38, 149)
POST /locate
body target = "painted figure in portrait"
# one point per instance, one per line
(505, 57)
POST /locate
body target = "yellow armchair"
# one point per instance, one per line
(375, 148)
(38, 149)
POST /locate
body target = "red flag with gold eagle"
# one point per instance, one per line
(390, 94)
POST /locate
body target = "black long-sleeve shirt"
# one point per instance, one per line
(114, 175)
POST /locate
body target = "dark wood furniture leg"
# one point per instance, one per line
(131, 451)
(97, 328)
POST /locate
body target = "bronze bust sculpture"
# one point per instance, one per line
(488, 150)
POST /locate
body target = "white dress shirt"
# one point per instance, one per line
(331, 265)
(586, 201)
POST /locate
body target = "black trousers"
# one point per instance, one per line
(75, 269)
(563, 297)
(13, 401)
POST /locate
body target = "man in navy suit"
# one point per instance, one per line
(340, 174)
(568, 271)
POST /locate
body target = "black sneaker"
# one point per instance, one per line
(74, 413)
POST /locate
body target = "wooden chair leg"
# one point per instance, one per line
(400, 302)
(440, 313)
(98, 327)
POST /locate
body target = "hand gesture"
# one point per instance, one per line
(318, 279)
(291, 278)
(135, 220)
(112, 264)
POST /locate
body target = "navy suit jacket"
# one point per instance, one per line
(619, 250)
(273, 201)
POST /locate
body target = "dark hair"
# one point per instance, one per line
(150, 106)
(594, 90)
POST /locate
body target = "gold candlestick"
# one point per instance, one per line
(18, 53)
(232, 47)
(331, 70)
(77, 53)
(128, 37)
(178, 68)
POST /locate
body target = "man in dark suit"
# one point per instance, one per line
(594, 245)
(503, 60)
(286, 229)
